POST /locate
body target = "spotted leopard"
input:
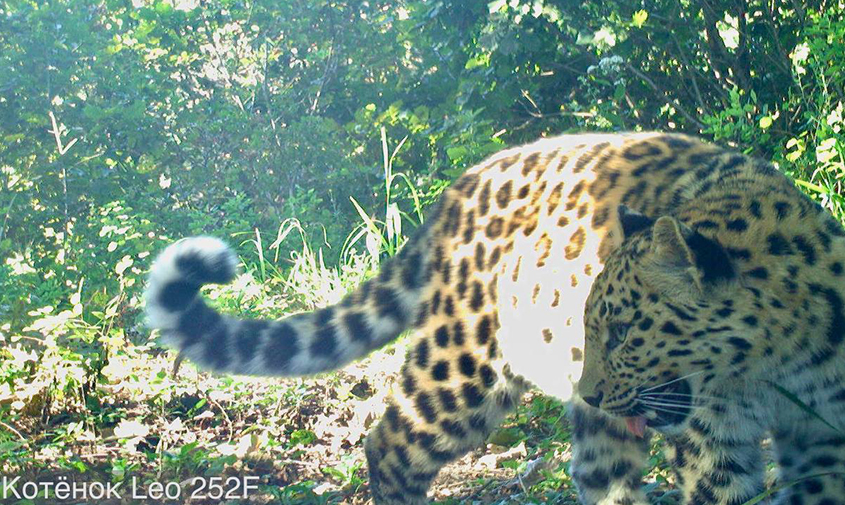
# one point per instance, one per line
(720, 321)
(494, 286)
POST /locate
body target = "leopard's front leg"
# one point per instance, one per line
(717, 464)
(607, 461)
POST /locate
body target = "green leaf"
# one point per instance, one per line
(9, 446)
(619, 92)
(496, 5)
(584, 39)
(506, 437)
(301, 437)
(93, 112)
(456, 153)
(639, 18)
(476, 62)
(163, 8)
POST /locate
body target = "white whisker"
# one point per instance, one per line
(661, 394)
(669, 404)
(665, 393)
(668, 410)
(673, 381)
(663, 417)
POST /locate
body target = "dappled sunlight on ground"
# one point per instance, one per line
(298, 440)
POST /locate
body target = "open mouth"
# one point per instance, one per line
(660, 406)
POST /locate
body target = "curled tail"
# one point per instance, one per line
(321, 340)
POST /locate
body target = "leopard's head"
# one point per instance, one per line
(662, 322)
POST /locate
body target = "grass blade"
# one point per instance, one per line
(803, 406)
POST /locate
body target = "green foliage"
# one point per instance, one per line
(347, 472)
(312, 135)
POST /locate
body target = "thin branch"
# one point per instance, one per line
(669, 25)
(799, 9)
(691, 73)
(6, 217)
(63, 149)
(226, 74)
(330, 64)
(719, 55)
(13, 430)
(674, 103)
(770, 24)
(527, 96)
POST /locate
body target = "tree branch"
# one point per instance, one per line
(674, 103)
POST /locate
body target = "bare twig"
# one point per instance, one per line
(674, 103)
(63, 149)
(725, 66)
(298, 462)
(225, 416)
(6, 217)
(784, 57)
(691, 72)
(799, 8)
(330, 64)
(13, 430)
(527, 96)
(226, 74)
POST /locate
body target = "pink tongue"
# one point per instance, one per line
(636, 425)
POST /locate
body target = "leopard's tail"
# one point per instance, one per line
(321, 340)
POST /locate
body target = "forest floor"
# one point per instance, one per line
(263, 440)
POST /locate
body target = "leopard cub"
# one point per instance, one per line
(494, 286)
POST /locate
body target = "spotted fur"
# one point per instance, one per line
(715, 321)
(494, 286)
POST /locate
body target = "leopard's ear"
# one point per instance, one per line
(632, 221)
(669, 243)
(674, 244)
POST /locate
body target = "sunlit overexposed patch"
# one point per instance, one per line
(186, 5)
(19, 264)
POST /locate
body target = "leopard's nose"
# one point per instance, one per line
(594, 401)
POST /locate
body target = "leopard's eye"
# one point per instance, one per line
(616, 335)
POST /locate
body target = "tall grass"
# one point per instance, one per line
(384, 236)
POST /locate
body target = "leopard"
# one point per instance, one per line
(719, 322)
(493, 289)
